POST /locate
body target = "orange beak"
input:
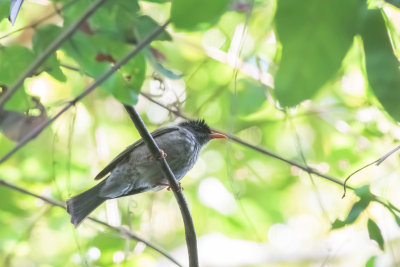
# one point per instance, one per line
(215, 135)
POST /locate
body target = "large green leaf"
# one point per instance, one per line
(250, 97)
(315, 37)
(382, 65)
(14, 60)
(195, 15)
(4, 9)
(44, 36)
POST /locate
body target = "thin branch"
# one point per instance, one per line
(273, 155)
(376, 162)
(123, 232)
(384, 157)
(180, 198)
(89, 89)
(256, 148)
(36, 23)
(49, 51)
(356, 171)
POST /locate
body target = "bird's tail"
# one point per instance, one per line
(82, 205)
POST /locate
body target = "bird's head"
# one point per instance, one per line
(201, 131)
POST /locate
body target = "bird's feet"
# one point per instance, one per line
(169, 186)
(163, 155)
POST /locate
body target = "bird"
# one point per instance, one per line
(134, 170)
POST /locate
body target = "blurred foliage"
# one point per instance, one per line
(240, 65)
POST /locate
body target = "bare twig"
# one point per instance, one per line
(356, 171)
(180, 198)
(384, 157)
(49, 51)
(100, 80)
(377, 162)
(123, 232)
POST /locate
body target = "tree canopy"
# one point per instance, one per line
(306, 91)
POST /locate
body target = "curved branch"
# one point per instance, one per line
(180, 198)
(49, 51)
(123, 232)
(88, 90)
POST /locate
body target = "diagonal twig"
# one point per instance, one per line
(123, 232)
(180, 198)
(89, 89)
(49, 51)
(376, 162)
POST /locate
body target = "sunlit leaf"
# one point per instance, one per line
(194, 15)
(354, 213)
(145, 25)
(371, 262)
(4, 9)
(364, 192)
(44, 36)
(249, 98)
(338, 224)
(375, 234)
(315, 37)
(381, 63)
(14, 60)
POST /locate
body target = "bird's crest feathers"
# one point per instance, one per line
(197, 125)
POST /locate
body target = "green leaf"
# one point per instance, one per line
(354, 213)
(44, 36)
(159, 67)
(375, 234)
(315, 37)
(395, 3)
(250, 96)
(156, 1)
(115, 19)
(381, 63)
(356, 210)
(370, 262)
(145, 25)
(81, 48)
(338, 224)
(10, 202)
(397, 218)
(14, 60)
(364, 192)
(135, 72)
(120, 89)
(4, 9)
(197, 15)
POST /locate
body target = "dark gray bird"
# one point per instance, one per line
(135, 171)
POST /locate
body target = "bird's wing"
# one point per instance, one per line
(125, 154)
